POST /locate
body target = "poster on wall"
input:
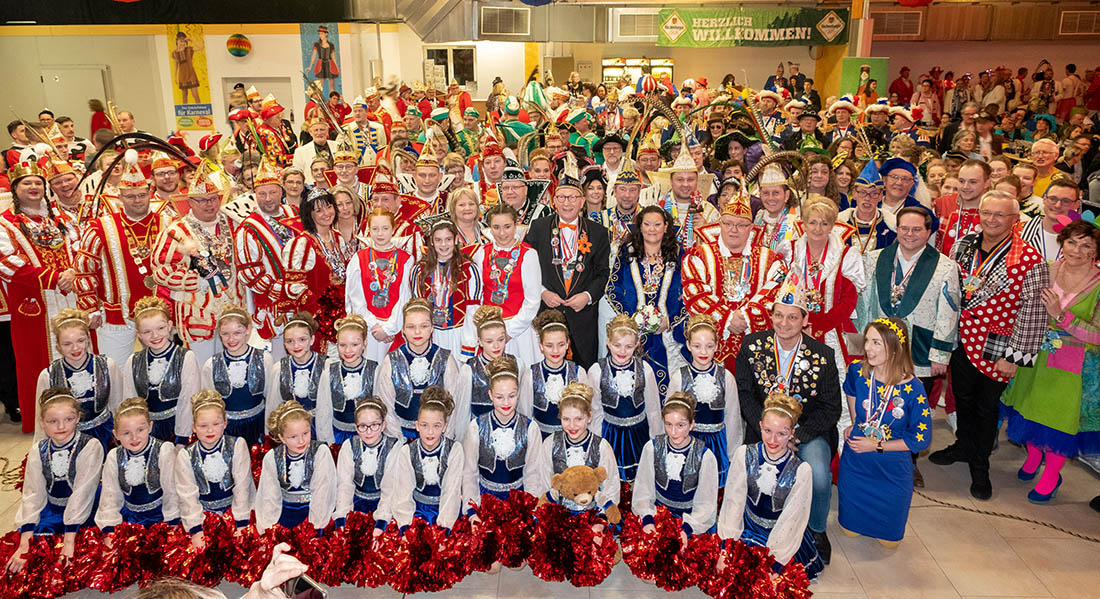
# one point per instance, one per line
(190, 85)
(860, 74)
(321, 55)
(725, 27)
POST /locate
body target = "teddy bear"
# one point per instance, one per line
(576, 487)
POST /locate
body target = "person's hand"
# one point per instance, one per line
(862, 444)
(376, 541)
(938, 369)
(721, 562)
(66, 280)
(664, 326)
(475, 520)
(848, 433)
(551, 299)
(198, 540)
(737, 323)
(1005, 368)
(793, 444)
(18, 559)
(649, 529)
(683, 541)
(280, 569)
(109, 540)
(378, 332)
(577, 302)
(1052, 303)
(96, 320)
(68, 548)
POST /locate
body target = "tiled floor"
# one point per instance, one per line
(946, 553)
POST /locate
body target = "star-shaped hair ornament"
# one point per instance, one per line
(1072, 216)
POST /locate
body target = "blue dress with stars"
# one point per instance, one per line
(874, 489)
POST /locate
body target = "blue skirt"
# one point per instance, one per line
(627, 443)
(874, 491)
(51, 520)
(165, 430)
(806, 555)
(250, 429)
(146, 518)
(716, 443)
(104, 433)
(426, 512)
(364, 506)
(341, 436)
(293, 514)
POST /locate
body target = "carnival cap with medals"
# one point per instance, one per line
(383, 182)
(628, 175)
(772, 175)
(738, 205)
(512, 172)
(267, 174)
(684, 163)
(791, 293)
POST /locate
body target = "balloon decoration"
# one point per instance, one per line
(238, 45)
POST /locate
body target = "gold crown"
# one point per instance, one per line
(24, 170)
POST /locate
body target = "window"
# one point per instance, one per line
(457, 63)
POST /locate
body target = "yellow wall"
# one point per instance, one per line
(827, 70)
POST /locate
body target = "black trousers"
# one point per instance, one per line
(977, 398)
(9, 394)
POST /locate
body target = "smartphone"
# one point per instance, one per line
(304, 587)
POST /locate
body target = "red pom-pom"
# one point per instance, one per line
(369, 565)
(661, 555)
(792, 582)
(256, 549)
(746, 573)
(565, 548)
(430, 560)
(136, 556)
(257, 453)
(22, 474)
(504, 534)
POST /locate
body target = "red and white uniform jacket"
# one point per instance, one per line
(259, 243)
(833, 292)
(113, 268)
(194, 263)
(709, 289)
(34, 252)
(377, 288)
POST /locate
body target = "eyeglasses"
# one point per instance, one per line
(912, 230)
(995, 215)
(1062, 201)
(369, 428)
(899, 178)
(740, 226)
(205, 200)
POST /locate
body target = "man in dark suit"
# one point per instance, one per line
(788, 360)
(574, 256)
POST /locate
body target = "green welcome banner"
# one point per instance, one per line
(719, 27)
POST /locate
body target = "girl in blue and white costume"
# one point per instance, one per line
(165, 374)
(93, 379)
(768, 492)
(239, 374)
(297, 375)
(717, 411)
(677, 471)
(626, 407)
(500, 446)
(139, 476)
(406, 371)
(62, 476)
(472, 395)
(541, 385)
(298, 479)
(213, 474)
(428, 473)
(366, 462)
(345, 382)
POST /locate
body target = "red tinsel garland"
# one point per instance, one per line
(430, 560)
(504, 534)
(22, 474)
(330, 308)
(660, 557)
(367, 566)
(564, 547)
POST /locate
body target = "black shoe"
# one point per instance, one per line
(918, 478)
(13, 413)
(980, 487)
(947, 456)
(1095, 503)
(824, 548)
